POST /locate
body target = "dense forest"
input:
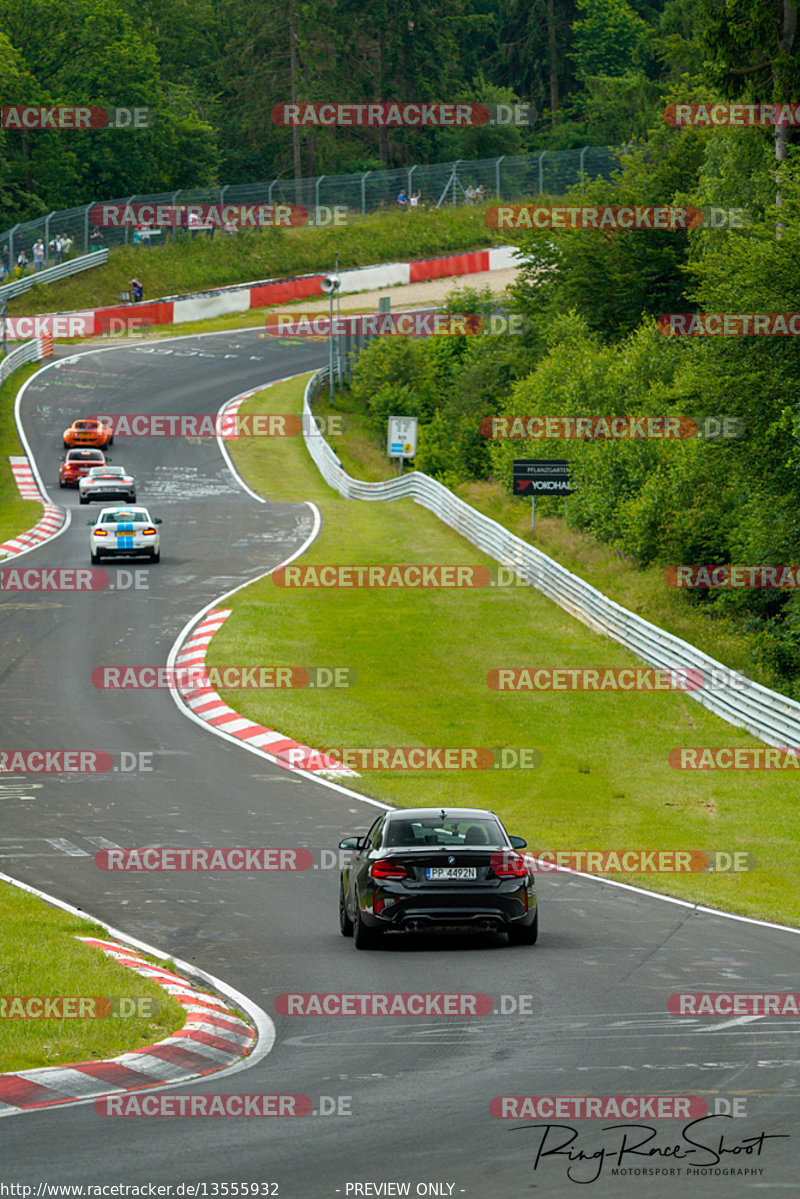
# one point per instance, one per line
(594, 345)
(212, 70)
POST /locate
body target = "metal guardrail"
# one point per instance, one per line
(31, 351)
(51, 274)
(773, 718)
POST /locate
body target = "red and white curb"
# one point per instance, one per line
(209, 707)
(242, 297)
(213, 1038)
(52, 518)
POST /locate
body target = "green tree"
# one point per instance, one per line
(609, 40)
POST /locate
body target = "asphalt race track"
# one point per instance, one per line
(419, 1088)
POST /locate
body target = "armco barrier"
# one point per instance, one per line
(31, 351)
(773, 718)
(175, 310)
(51, 274)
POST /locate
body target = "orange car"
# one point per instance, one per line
(89, 432)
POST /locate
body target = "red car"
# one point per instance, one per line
(77, 464)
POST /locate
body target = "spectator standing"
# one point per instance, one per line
(402, 200)
(137, 291)
(144, 236)
(4, 262)
(194, 224)
(469, 195)
(414, 199)
(480, 193)
(66, 244)
(96, 240)
(22, 262)
(56, 247)
(38, 254)
(231, 228)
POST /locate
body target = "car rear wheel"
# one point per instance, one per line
(155, 555)
(83, 499)
(95, 558)
(520, 934)
(345, 923)
(363, 937)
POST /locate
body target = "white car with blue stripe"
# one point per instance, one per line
(125, 533)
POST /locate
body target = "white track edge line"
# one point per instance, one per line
(265, 1028)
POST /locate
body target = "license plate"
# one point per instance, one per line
(452, 872)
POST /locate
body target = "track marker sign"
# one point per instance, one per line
(401, 439)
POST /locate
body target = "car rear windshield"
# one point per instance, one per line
(84, 456)
(127, 517)
(471, 830)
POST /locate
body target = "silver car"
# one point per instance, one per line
(107, 482)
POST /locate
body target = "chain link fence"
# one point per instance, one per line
(506, 178)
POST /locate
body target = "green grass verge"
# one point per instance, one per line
(363, 455)
(188, 265)
(421, 659)
(16, 515)
(39, 956)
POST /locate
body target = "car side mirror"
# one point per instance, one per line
(518, 842)
(350, 843)
(63, 458)
(158, 521)
(90, 522)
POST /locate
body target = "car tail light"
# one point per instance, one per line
(149, 529)
(100, 533)
(386, 868)
(509, 865)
